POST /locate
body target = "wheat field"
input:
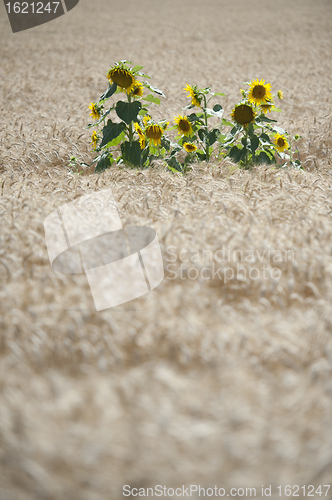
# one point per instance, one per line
(202, 381)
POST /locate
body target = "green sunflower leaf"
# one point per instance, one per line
(143, 74)
(116, 141)
(228, 142)
(254, 143)
(263, 157)
(151, 98)
(235, 130)
(166, 143)
(245, 141)
(154, 89)
(237, 153)
(250, 130)
(104, 161)
(173, 163)
(265, 119)
(145, 154)
(264, 137)
(201, 154)
(131, 152)
(218, 109)
(202, 133)
(109, 92)
(213, 136)
(227, 123)
(111, 131)
(143, 112)
(195, 118)
(213, 112)
(136, 68)
(128, 111)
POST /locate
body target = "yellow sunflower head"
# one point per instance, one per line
(280, 143)
(183, 125)
(123, 78)
(138, 89)
(154, 133)
(280, 94)
(243, 114)
(95, 113)
(94, 139)
(138, 129)
(146, 119)
(196, 99)
(266, 107)
(141, 136)
(259, 92)
(189, 147)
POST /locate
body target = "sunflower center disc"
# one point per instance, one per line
(185, 126)
(258, 91)
(243, 114)
(153, 133)
(122, 79)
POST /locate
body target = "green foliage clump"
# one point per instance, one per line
(131, 137)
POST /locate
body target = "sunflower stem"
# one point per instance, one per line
(130, 130)
(207, 148)
(247, 152)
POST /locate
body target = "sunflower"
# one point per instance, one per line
(138, 89)
(183, 125)
(189, 147)
(95, 113)
(94, 139)
(243, 114)
(146, 119)
(280, 94)
(138, 129)
(123, 78)
(266, 107)
(280, 143)
(259, 92)
(154, 133)
(141, 136)
(196, 99)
